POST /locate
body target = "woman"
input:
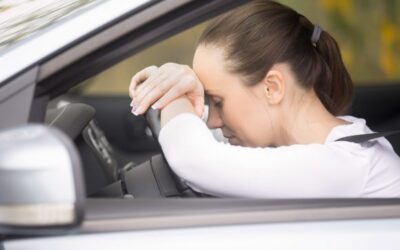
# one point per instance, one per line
(276, 85)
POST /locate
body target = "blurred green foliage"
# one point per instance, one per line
(367, 32)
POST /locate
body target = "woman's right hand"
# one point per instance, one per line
(157, 86)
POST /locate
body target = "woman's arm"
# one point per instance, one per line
(220, 169)
(174, 108)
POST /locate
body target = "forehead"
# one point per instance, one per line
(209, 64)
(208, 57)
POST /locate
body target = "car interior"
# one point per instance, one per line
(121, 155)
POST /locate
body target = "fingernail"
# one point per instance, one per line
(154, 106)
(132, 103)
(136, 111)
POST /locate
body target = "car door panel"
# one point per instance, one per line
(230, 223)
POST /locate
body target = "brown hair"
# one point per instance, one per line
(261, 33)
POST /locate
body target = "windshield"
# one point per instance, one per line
(20, 19)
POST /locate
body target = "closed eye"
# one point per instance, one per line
(218, 104)
(214, 101)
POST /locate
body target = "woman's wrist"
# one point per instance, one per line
(176, 107)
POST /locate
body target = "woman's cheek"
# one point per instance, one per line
(235, 117)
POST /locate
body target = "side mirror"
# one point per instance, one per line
(41, 181)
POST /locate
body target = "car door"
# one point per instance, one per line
(200, 223)
(229, 224)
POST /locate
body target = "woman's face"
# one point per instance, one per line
(239, 110)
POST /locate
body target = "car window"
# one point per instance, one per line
(368, 33)
(114, 81)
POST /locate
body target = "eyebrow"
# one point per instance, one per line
(212, 92)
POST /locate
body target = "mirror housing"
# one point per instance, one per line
(41, 181)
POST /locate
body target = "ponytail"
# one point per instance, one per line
(335, 91)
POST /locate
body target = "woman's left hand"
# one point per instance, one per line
(156, 87)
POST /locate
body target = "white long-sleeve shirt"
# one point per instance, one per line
(332, 169)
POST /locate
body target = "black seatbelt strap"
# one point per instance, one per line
(366, 137)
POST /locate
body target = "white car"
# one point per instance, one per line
(65, 185)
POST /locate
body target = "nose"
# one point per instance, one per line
(214, 119)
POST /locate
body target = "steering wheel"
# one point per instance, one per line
(153, 178)
(153, 120)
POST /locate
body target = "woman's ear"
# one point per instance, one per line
(274, 86)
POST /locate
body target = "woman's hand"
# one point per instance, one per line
(156, 87)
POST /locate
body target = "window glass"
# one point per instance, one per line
(368, 33)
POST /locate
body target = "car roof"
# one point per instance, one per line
(25, 49)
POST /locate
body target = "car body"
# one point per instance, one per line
(46, 65)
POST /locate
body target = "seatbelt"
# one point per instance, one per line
(366, 137)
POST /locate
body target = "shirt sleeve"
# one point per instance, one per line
(221, 169)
